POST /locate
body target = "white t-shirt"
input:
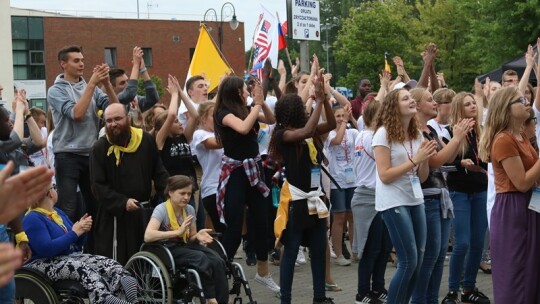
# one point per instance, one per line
(182, 110)
(537, 115)
(440, 128)
(39, 158)
(361, 124)
(399, 192)
(341, 159)
(210, 160)
(364, 160)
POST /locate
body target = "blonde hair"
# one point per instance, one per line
(206, 108)
(444, 95)
(498, 119)
(457, 113)
(389, 117)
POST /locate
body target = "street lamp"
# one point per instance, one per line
(326, 45)
(233, 23)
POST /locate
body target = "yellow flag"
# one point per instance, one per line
(386, 65)
(207, 60)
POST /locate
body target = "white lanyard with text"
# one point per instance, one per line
(415, 181)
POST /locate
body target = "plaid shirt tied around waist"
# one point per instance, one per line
(254, 175)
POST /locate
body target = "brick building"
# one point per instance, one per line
(168, 45)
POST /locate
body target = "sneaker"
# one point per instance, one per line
(368, 298)
(251, 259)
(451, 298)
(475, 296)
(345, 250)
(324, 300)
(380, 295)
(274, 256)
(300, 258)
(332, 253)
(342, 261)
(267, 281)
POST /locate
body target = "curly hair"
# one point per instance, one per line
(290, 113)
(389, 117)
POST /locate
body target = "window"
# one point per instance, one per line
(147, 56)
(20, 57)
(19, 27)
(110, 56)
(37, 58)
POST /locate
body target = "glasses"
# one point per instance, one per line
(116, 120)
(521, 100)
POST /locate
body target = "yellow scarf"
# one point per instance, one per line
(134, 142)
(174, 221)
(53, 215)
(312, 151)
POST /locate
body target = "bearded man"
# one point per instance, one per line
(123, 166)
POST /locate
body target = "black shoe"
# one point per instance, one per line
(380, 295)
(251, 260)
(451, 298)
(345, 251)
(324, 300)
(475, 296)
(368, 298)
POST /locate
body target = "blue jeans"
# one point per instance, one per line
(372, 265)
(438, 231)
(470, 224)
(7, 292)
(407, 228)
(316, 236)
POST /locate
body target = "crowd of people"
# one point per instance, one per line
(287, 168)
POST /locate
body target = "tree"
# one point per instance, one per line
(157, 81)
(371, 30)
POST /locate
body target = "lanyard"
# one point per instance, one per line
(410, 155)
(474, 149)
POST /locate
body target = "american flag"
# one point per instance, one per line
(263, 45)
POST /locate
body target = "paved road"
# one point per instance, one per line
(345, 277)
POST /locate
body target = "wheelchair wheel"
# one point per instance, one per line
(152, 276)
(32, 289)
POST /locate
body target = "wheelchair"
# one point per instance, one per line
(32, 286)
(161, 281)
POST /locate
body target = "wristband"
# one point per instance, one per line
(143, 70)
(27, 116)
(21, 237)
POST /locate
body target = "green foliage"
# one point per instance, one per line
(473, 37)
(157, 81)
(371, 30)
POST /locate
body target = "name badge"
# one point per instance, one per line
(416, 187)
(315, 177)
(349, 175)
(261, 136)
(534, 205)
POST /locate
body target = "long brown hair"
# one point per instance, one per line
(389, 117)
(229, 97)
(498, 119)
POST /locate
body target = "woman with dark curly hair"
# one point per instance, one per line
(401, 157)
(296, 144)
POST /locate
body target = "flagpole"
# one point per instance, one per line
(253, 42)
(219, 51)
(286, 46)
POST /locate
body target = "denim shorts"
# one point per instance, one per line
(340, 200)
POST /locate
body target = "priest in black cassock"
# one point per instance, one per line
(123, 165)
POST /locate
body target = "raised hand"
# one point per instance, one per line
(137, 56)
(257, 93)
(295, 68)
(427, 149)
(281, 68)
(463, 127)
(267, 69)
(384, 78)
(172, 85)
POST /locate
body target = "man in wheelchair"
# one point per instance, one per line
(174, 221)
(56, 252)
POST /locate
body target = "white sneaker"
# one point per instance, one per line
(300, 258)
(332, 253)
(342, 261)
(267, 281)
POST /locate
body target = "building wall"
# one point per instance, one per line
(6, 60)
(169, 57)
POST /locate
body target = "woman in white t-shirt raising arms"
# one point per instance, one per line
(401, 157)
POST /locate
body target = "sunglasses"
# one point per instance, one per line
(521, 100)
